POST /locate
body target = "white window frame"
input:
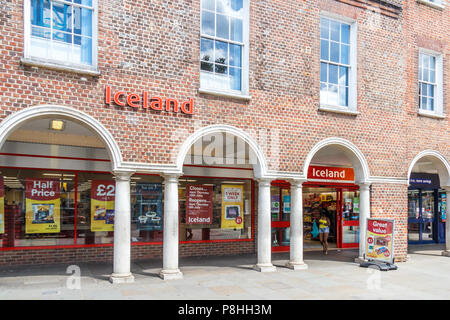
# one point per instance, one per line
(436, 5)
(438, 111)
(29, 59)
(352, 107)
(244, 92)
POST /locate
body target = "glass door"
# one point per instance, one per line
(281, 214)
(414, 201)
(349, 217)
(422, 222)
(428, 206)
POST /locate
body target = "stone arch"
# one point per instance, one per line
(439, 163)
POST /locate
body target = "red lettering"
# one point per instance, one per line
(145, 106)
(175, 105)
(108, 95)
(132, 99)
(188, 106)
(116, 98)
(156, 105)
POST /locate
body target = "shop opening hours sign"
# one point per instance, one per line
(199, 204)
(380, 240)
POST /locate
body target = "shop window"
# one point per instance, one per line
(63, 32)
(430, 83)
(224, 45)
(337, 64)
(215, 209)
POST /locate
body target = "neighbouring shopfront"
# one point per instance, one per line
(427, 204)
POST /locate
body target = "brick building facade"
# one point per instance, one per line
(155, 46)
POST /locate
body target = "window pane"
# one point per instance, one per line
(86, 50)
(343, 76)
(333, 94)
(345, 54)
(323, 93)
(343, 96)
(61, 36)
(221, 69)
(335, 30)
(324, 28)
(431, 104)
(84, 2)
(208, 4)
(222, 27)
(222, 5)
(345, 33)
(236, 5)
(431, 90)
(207, 66)
(62, 17)
(40, 13)
(432, 61)
(425, 60)
(236, 29)
(235, 55)
(424, 103)
(432, 76)
(333, 74)
(425, 75)
(83, 21)
(323, 72)
(221, 52)
(334, 52)
(206, 49)
(420, 73)
(424, 90)
(324, 50)
(235, 78)
(40, 32)
(208, 23)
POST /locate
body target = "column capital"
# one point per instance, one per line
(170, 177)
(297, 183)
(123, 175)
(364, 186)
(264, 182)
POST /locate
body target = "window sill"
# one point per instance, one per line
(431, 114)
(336, 109)
(225, 94)
(433, 5)
(48, 64)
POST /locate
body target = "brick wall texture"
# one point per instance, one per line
(155, 46)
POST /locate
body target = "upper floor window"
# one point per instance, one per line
(430, 83)
(61, 31)
(337, 69)
(224, 45)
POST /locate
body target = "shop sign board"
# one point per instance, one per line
(199, 204)
(149, 206)
(331, 173)
(380, 240)
(2, 205)
(102, 205)
(42, 201)
(147, 102)
(232, 207)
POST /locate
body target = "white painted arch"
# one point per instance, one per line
(259, 169)
(359, 163)
(439, 162)
(15, 120)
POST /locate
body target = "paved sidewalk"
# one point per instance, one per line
(335, 276)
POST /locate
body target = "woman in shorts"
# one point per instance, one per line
(324, 230)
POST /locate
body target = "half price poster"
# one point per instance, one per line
(42, 199)
(102, 205)
(199, 206)
(232, 207)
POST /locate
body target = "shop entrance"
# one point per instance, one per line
(339, 202)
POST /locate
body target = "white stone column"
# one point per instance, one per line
(264, 259)
(122, 229)
(364, 214)
(446, 252)
(296, 227)
(170, 268)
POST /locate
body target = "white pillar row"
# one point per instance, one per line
(447, 224)
(122, 229)
(264, 258)
(364, 214)
(296, 227)
(170, 270)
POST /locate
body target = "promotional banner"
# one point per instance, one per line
(380, 240)
(2, 206)
(42, 199)
(149, 205)
(199, 204)
(232, 207)
(102, 205)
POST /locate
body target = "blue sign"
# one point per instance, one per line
(149, 206)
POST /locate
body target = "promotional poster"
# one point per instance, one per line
(43, 202)
(199, 204)
(102, 205)
(2, 206)
(380, 240)
(232, 207)
(149, 206)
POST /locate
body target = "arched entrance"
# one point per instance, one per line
(428, 191)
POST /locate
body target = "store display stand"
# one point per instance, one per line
(383, 266)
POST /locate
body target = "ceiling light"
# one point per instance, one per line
(57, 125)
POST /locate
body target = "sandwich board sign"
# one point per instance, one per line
(380, 243)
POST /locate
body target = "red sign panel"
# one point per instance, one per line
(103, 190)
(380, 226)
(42, 189)
(199, 204)
(331, 173)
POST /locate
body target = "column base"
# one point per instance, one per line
(297, 265)
(117, 278)
(359, 260)
(171, 274)
(446, 253)
(265, 267)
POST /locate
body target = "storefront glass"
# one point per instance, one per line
(215, 209)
